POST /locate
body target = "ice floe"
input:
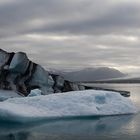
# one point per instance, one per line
(70, 104)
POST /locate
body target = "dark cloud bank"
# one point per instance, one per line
(73, 34)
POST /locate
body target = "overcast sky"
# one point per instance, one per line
(73, 33)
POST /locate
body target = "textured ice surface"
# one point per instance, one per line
(70, 104)
(19, 63)
(43, 80)
(35, 92)
(6, 94)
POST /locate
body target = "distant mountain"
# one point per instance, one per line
(93, 74)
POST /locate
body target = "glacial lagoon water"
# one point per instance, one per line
(125, 127)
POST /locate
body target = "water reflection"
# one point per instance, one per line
(71, 128)
(98, 128)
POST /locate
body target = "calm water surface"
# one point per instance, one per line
(125, 127)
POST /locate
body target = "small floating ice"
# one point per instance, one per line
(70, 104)
(35, 92)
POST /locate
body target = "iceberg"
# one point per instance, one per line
(18, 73)
(70, 104)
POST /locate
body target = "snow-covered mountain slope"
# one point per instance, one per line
(93, 74)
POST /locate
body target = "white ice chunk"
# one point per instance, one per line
(70, 104)
(19, 63)
(35, 92)
(3, 57)
(43, 80)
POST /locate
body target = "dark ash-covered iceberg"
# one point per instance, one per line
(20, 74)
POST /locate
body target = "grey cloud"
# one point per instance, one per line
(105, 32)
(123, 17)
